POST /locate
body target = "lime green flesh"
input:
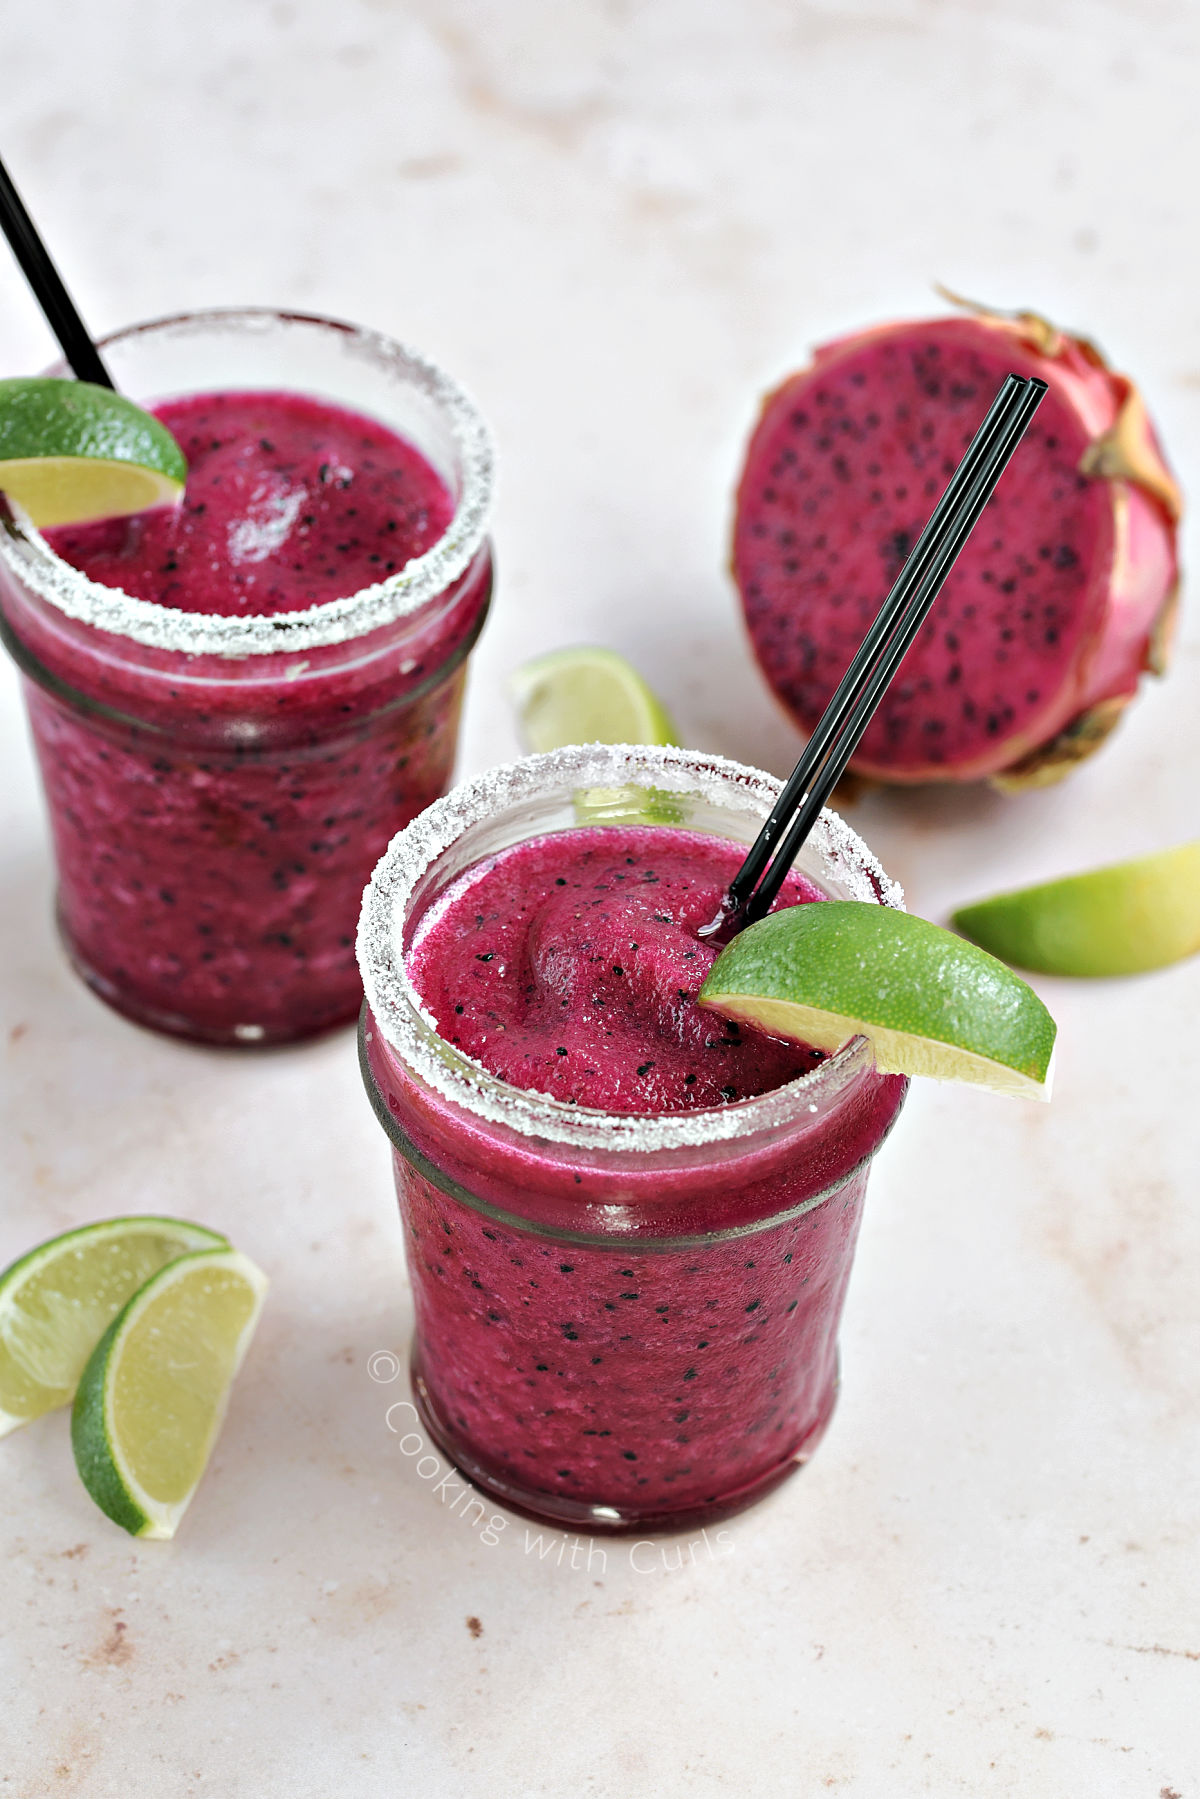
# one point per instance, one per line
(927, 1002)
(65, 490)
(153, 1395)
(71, 452)
(587, 695)
(1123, 919)
(627, 806)
(57, 1302)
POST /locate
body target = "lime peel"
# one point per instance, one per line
(1125, 918)
(927, 1002)
(56, 1301)
(154, 1393)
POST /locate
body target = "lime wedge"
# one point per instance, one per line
(586, 695)
(627, 806)
(56, 1303)
(70, 452)
(927, 1002)
(1123, 919)
(153, 1394)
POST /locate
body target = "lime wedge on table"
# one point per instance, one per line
(56, 1303)
(927, 1002)
(587, 695)
(152, 1397)
(70, 452)
(1123, 919)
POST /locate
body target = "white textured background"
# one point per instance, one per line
(618, 223)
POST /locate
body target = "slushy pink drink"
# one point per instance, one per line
(629, 1224)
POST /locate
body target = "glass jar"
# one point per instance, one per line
(219, 787)
(621, 1321)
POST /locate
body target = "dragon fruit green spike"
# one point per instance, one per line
(1063, 597)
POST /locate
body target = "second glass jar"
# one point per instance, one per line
(219, 787)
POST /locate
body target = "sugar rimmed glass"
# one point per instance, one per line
(730, 1229)
(219, 787)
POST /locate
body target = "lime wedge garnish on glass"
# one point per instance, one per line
(586, 695)
(70, 452)
(57, 1302)
(927, 1002)
(153, 1394)
(1123, 919)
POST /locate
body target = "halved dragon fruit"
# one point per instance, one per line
(1063, 597)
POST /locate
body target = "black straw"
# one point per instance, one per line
(901, 616)
(47, 284)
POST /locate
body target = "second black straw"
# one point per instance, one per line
(48, 286)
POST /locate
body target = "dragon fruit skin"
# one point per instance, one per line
(1061, 599)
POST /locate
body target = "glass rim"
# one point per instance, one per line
(29, 558)
(409, 1029)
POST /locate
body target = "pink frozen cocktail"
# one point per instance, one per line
(629, 1225)
(236, 703)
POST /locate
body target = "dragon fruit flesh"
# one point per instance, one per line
(1062, 598)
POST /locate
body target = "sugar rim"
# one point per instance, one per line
(410, 1030)
(30, 559)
